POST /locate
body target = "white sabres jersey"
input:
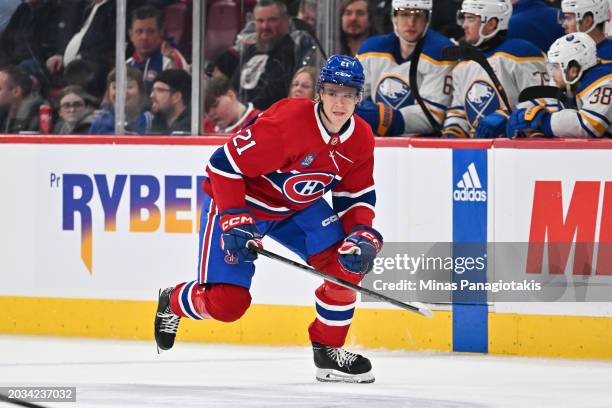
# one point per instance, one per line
(594, 99)
(387, 80)
(518, 65)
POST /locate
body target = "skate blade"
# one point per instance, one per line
(330, 375)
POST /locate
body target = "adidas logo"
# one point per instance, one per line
(469, 187)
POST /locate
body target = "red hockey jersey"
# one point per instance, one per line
(286, 160)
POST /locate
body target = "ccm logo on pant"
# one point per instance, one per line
(329, 220)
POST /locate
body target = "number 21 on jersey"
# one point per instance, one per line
(243, 142)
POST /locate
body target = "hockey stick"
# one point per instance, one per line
(416, 307)
(412, 81)
(19, 402)
(470, 53)
(539, 91)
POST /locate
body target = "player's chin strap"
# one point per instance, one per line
(416, 307)
(591, 28)
(482, 37)
(491, 42)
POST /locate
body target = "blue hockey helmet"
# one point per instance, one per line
(343, 70)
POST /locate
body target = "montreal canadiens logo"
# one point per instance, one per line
(230, 259)
(306, 187)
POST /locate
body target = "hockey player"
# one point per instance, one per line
(517, 63)
(588, 16)
(574, 65)
(390, 107)
(271, 178)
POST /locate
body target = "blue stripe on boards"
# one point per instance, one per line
(470, 197)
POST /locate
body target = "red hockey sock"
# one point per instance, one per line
(335, 305)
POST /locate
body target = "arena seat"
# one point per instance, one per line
(175, 15)
(223, 22)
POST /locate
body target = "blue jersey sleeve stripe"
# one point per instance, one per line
(223, 173)
(355, 194)
(342, 203)
(357, 206)
(219, 161)
(230, 160)
(250, 122)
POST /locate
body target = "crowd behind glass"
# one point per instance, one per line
(58, 68)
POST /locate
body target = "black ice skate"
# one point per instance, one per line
(166, 322)
(339, 365)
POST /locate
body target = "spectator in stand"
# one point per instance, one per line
(138, 119)
(94, 40)
(588, 16)
(357, 24)
(19, 105)
(306, 45)
(37, 30)
(224, 65)
(304, 36)
(224, 111)
(536, 22)
(171, 101)
(307, 12)
(76, 111)
(303, 83)
(267, 65)
(89, 76)
(152, 54)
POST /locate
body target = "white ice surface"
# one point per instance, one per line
(131, 374)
